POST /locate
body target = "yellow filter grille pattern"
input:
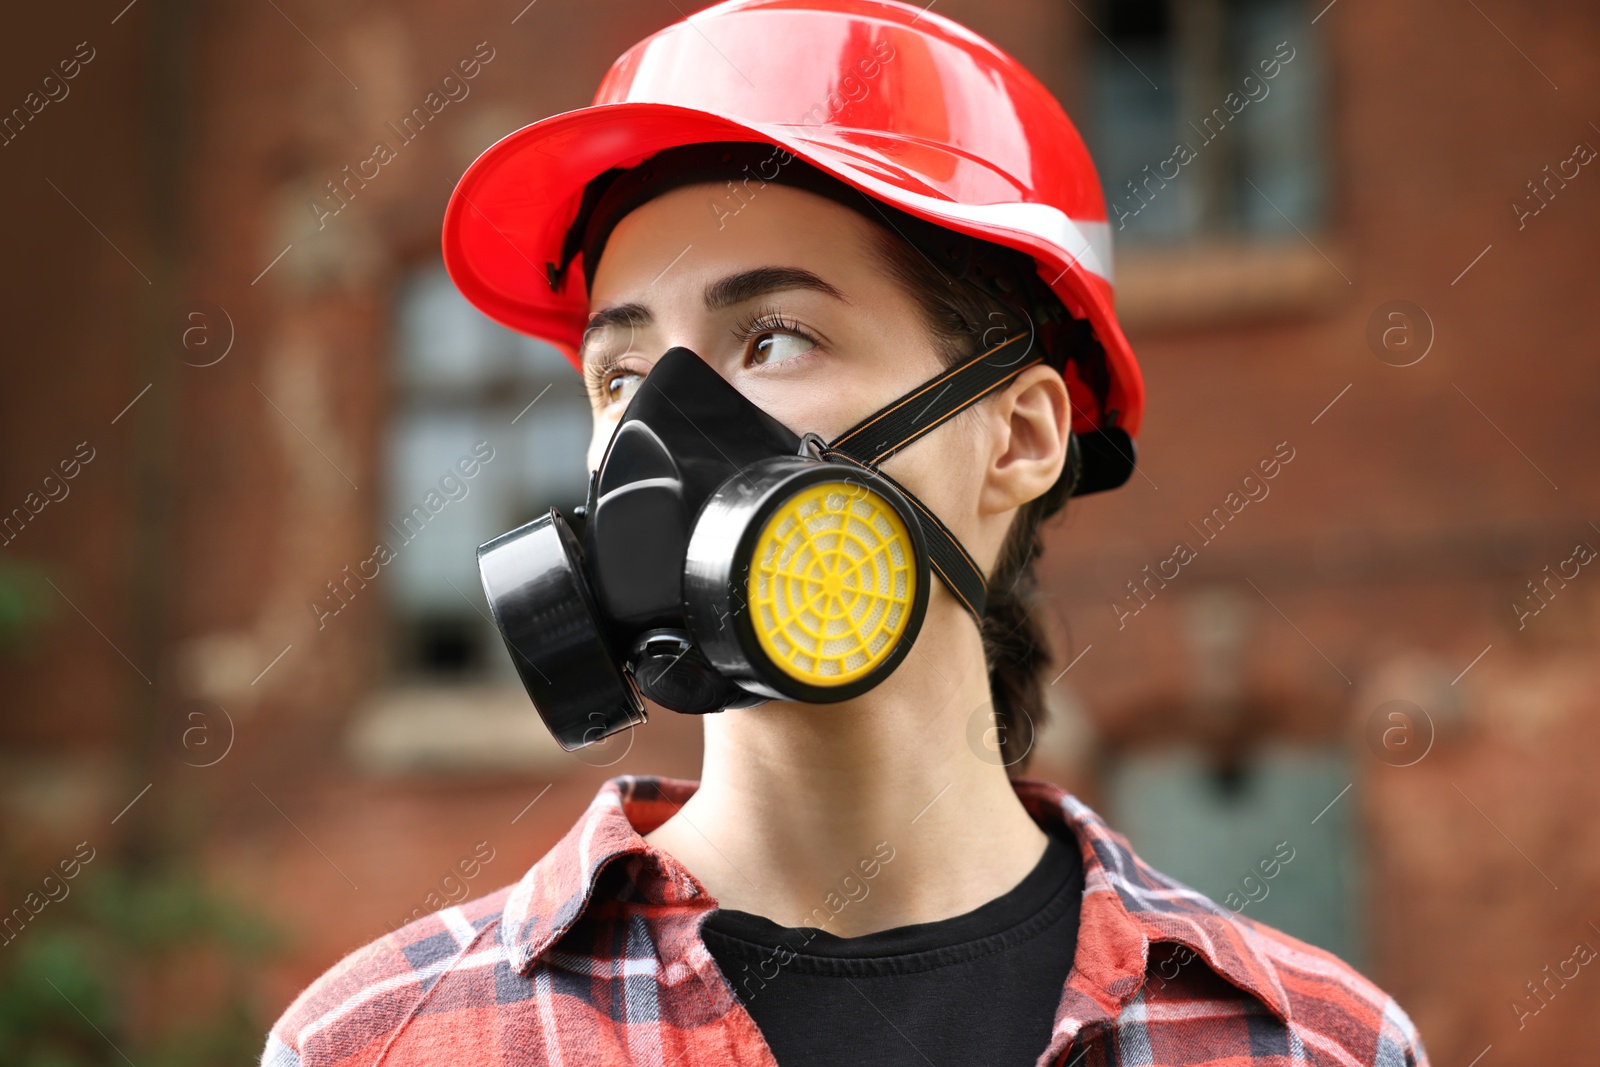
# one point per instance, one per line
(832, 583)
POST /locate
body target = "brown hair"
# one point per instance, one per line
(960, 309)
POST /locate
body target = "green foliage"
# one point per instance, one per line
(148, 968)
(24, 602)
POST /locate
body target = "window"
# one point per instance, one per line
(1262, 839)
(1204, 118)
(489, 428)
(464, 386)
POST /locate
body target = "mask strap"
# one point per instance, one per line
(885, 432)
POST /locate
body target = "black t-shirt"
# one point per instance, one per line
(982, 987)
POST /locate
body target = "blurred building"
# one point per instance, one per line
(1342, 614)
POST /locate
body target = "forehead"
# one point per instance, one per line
(695, 233)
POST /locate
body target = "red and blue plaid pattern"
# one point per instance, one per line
(595, 957)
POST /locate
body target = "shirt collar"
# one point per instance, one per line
(1127, 905)
(557, 889)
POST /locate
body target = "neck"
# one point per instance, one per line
(867, 814)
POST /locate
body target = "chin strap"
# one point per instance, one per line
(877, 437)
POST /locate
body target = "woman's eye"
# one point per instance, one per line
(621, 385)
(771, 347)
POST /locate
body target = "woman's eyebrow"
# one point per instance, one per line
(748, 284)
(619, 315)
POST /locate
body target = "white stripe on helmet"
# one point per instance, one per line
(1087, 243)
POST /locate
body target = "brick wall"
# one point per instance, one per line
(1383, 564)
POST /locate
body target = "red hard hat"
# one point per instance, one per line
(901, 103)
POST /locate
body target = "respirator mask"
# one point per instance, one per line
(722, 560)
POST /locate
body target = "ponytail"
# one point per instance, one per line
(982, 285)
(1015, 645)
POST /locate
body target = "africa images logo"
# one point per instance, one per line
(1255, 90)
(452, 89)
(454, 485)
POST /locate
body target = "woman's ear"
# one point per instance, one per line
(1029, 427)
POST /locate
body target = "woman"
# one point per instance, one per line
(855, 879)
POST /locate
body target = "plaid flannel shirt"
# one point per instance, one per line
(595, 957)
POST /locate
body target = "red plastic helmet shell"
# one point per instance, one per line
(906, 105)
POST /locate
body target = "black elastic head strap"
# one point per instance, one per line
(885, 432)
(888, 430)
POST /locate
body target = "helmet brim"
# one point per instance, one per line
(506, 221)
